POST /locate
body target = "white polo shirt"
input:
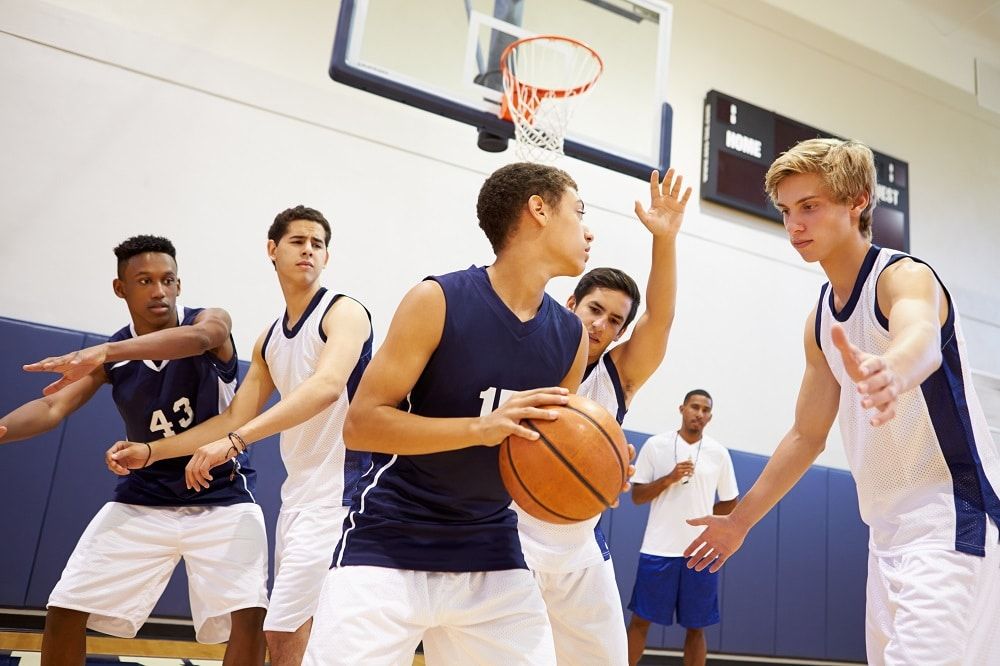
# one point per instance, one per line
(667, 533)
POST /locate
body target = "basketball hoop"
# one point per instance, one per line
(543, 78)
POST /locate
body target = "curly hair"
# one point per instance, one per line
(506, 192)
(140, 245)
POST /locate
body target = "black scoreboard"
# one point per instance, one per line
(739, 143)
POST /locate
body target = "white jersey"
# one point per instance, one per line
(552, 548)
(667, 532)
(321, 472)
(925, 479)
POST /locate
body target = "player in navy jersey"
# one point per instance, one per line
(154, 519)
(430, 549)
(314, 355)
(572, 563)
(885, 352)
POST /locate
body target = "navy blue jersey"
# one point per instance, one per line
(449, 511)
(159, 399)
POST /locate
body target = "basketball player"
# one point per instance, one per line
(314, 355)
(153, 520)
(680, 472)
(430, 549)
(884, 348)
(572, 563)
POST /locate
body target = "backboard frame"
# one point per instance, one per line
(373, 81)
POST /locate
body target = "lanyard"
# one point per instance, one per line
(697, 454)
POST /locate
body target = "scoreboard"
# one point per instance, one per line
(739, 143)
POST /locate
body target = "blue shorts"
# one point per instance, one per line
(663, 584)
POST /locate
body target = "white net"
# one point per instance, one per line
(543, 79)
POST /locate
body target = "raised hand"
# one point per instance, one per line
(666, 204)
(505, 420)
(875, 380)
(722, 537)
(197, 473)
(72, 366)
(124, 456)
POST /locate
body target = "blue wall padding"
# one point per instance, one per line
(846, 570)
(751, 577)
(795, 589)
(27, 466)
(802, 552)
(81, 486)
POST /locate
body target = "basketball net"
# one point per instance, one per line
(543, 79)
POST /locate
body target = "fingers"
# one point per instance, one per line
(654, 185)
(56, 386)
(850, 353)
(675, 187)
(3, 431)
(687, 195)
(884, 416)
(111, 458)
(631, 456)
(45, 365)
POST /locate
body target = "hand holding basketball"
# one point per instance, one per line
(506, 419)
(73, 366)
(873, 376)
(722, 537)
(573, 468)
(666, 205)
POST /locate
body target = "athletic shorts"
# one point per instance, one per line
(585, 612)
(124, 559)
(664, 585)
(934, 607)
(377, 616)
(303, 552)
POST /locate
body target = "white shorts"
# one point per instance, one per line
(376, 616)
(124, 559)
(585, 612)
(934, 607)
(303, 552)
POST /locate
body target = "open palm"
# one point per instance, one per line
(666, 204)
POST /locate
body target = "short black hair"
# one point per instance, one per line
(281, 221)
(609, 278)
(507, 190)
(140, 245)
(691, 394)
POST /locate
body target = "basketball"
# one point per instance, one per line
(574, 470)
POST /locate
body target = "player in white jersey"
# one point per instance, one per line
(884, 348)
(314, 356)
(572, 563)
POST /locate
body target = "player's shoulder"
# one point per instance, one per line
(123, 333)
(659, 440)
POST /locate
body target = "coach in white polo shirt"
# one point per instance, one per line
(680, 473)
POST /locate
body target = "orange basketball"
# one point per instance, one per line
(574, 470)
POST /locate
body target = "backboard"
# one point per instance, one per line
(442, 56)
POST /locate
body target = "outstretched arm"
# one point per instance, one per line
(44, 414)
(209, 332)
(347, 328)
(374, 420)
(254, 391)
(819, 398)
(639, 356)
(917, 308)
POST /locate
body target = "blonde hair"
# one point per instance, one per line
(846, 167)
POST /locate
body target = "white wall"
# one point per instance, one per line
(200, 119)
